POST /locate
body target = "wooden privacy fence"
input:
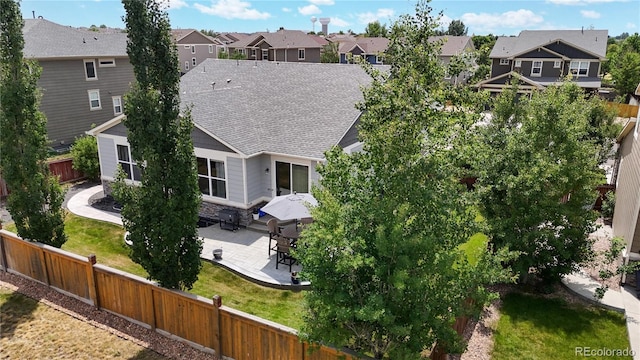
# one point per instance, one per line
(63, 169)
(624, 110)
(200, 322)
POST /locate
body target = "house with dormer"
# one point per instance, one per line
(540, 58)
(194, 47)
(282, 45)
(369, 49)
(85, 75)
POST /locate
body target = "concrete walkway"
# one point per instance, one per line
(624, 301)
(243, 251)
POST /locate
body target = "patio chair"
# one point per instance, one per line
(274, 233)
(283, 252)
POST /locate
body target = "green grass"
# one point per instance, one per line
(538, 328)
(105, 240)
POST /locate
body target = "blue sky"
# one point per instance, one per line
(482, 17)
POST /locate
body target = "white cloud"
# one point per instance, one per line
(578, 2)
(511, 19)
(631, 26)
(369, 17)
(309, 10)
(232, 9)
(444, 21)
(287, 9)
(336, 21)
(322, 2)
(590, 14)
(177, 4)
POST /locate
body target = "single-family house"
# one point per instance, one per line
(369, 49)
(194, 47)
(626, 216)
(84, 76)
(544, 57)
(456, 46)
(230, 37)
(282, 45)
(260, 129)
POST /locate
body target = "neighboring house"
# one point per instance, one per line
(282, 45)
(626, 217)
(260, 129)
(228, 38)
(545, 57)
(194, 47)
(370, 49)
(84, 76)
(456, 46)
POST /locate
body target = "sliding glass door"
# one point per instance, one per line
(291, 178)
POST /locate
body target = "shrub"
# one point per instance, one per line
(85, 156)
(608, 204)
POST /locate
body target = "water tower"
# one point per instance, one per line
(325, 28)
(313, 21)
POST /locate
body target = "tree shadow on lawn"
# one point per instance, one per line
(15, 310)
(556, 315)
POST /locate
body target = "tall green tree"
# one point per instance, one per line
(330, 53)
(457, 28)
(375, 29)
(36, 197)
(385, 252)
(161, 214)
(626, 73)
(538, 171)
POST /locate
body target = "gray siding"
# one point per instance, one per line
(351, 137)
(204, 141)
(119, 130)
(539, 54)
(497, 69)
(65, 100)
(258, 183)
(570, 51)
(625, 218)
(235, 180)
(108, 161)
(315, 177)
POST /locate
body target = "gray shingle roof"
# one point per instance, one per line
(299, 109)
(280, 39)
(594, 41)
(453, 45)
(45, 39)
(370, 45)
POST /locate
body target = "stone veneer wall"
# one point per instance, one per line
(207, 209)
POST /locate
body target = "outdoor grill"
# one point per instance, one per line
(229, 219)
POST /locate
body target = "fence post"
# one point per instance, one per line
(91, 280)
(3, 255)
(43, 261)
(217, 302)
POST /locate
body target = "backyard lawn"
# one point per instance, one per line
(87, 236)
(532, 327)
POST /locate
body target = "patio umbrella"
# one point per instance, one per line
(290, 207)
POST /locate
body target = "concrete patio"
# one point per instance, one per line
(243, 251)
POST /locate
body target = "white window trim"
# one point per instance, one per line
(99, 107)
(518, 63)
(379, 59)
(292, 161)
(194, 62)
(193, 49)
(111, 62)
(265, 52)
(210, 49)
(557, 64)
(186, 65)
(95, 69)
(504, 61)
(536, 67)
(580, 62)
(209, 177)
(113, 101)
(304, 53)
(131, 162)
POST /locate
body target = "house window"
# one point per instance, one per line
(379, 59)
(240, 51)
(536, 68)
(291, 178)
(107, 62)
(253, 53)
(300, 54)
(504, 61)
(186, 65)
(579, 68)
(90, 70)
(94, 100)
(129, 166)
(556, 64)
(265, 54)
(210, 49)
(193, 49)
(117, 105)
(193, 61)
(518, 63)
(212, 180)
